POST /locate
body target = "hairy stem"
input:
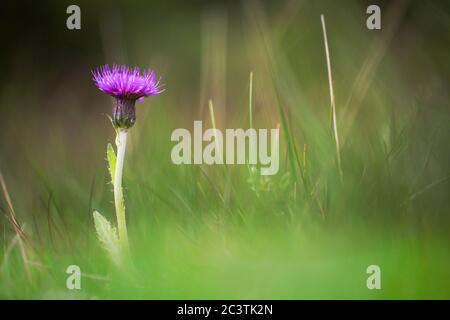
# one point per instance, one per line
(121, 142)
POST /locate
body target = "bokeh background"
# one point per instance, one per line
(222, 232)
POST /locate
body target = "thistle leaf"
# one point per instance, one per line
(111, 158)
(107, 235)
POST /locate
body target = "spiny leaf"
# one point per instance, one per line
(111, 158)
(107, 235)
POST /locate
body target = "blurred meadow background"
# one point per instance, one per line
(222, 231)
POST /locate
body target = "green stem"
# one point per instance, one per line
(121, 142)
(250, 100)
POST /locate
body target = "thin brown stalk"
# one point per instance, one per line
(17, 228)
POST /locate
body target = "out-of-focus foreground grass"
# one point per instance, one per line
(220, 231)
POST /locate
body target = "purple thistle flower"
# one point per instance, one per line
(126, 85)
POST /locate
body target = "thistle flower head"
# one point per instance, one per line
(125, 82)
(126, 85)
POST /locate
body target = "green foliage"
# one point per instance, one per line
(217, 231)
(107, 235)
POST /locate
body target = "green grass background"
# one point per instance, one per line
(207, 232)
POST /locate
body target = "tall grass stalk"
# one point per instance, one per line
(332, 100)
(213, 123)
(250, 100)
